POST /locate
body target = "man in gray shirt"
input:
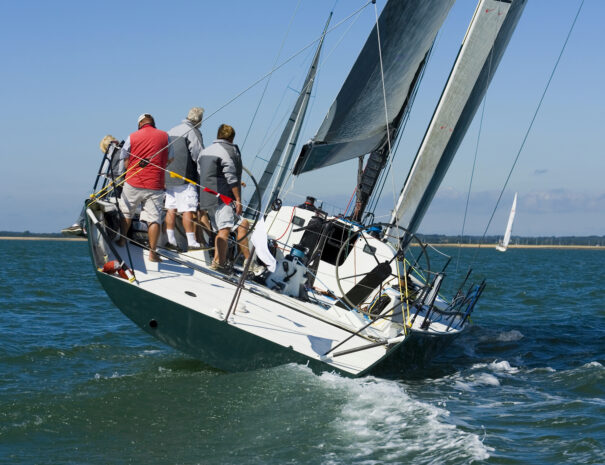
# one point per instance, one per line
(220, 168)
(181, 196)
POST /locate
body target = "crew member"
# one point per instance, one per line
(146, 154)
(111, 168)
(181, 196)
(220, 168)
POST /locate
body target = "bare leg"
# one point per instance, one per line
(220, 251)
(154, 234)
(124, 227)
(187, 222)
(189, 225)
(242, 229)
(170, 222)
(204, 220)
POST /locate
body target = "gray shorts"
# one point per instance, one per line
(151, 200)
(222, 217)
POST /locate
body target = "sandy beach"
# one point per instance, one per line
(33, 238)
(526, 246)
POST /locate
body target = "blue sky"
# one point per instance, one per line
(75, 71)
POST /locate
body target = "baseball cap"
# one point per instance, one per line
(143, 116)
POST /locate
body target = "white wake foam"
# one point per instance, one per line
(381, 423)
(508, 336)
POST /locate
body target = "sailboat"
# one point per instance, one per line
(345, 293)
(503, 245)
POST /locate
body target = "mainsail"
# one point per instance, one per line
(486, 39)
(356, 124)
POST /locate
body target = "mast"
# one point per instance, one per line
(289, 137)
(482, 48)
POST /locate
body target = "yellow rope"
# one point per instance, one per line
(407, 296)
(402, 294)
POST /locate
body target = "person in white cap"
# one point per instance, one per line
(181, 196)
(111, 168)
(146, 153)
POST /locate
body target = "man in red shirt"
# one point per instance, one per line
(146, 154)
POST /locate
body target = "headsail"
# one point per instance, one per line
(289, 137)
(355, 124)
(486, 39)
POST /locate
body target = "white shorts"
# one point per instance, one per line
(181, 198)
(222, 217)
(151, 200)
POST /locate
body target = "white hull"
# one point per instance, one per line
(193, 302)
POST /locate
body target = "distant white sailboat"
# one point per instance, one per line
(503, 245)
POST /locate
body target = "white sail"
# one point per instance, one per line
(509, 227)
(490, 29)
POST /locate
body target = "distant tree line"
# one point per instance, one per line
(434, 239)
(515, 240)
(28, 234)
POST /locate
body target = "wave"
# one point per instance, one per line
(508, 336)
(501, 367)
(380, 422)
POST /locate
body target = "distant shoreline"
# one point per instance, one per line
(436, 245)
(522, 246)
(38, 238)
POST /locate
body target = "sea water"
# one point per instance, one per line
(81, 384)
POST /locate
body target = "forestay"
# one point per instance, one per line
(356, 122)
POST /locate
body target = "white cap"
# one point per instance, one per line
(143, 116)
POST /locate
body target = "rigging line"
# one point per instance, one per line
(530, 125)
(269, 79)
(406, 116)
(401, 130)
(480, 131)
(290, 179)
(305, 88)
(271, 130)
(384, 95)
(251, 86)
(285, 62)
(470, 185)
(383, 176)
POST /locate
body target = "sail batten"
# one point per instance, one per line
(355, 124)
(483, 46)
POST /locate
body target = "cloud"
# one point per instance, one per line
(549, 212)
(540, 172)
(563, 201)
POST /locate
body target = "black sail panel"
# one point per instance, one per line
(356, 122)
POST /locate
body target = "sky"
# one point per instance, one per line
(73, 72)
